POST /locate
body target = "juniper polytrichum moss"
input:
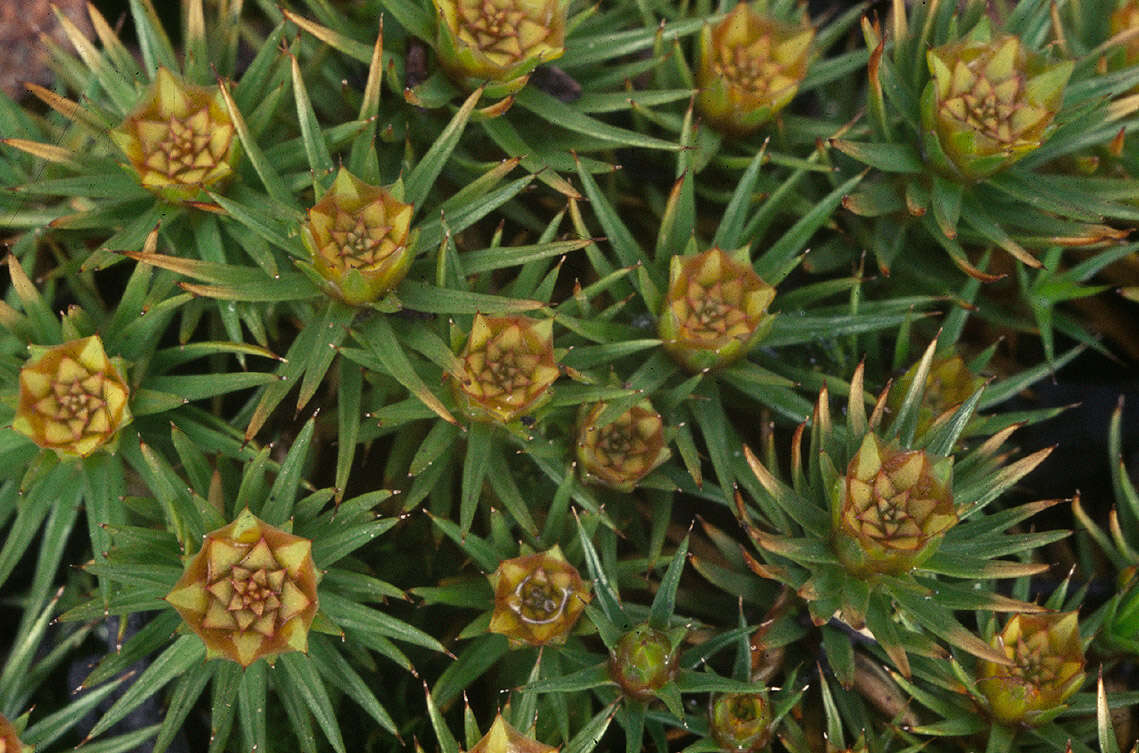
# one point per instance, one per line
(527, 375)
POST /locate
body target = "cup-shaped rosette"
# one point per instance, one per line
(619, 454)
(482, 42)
(741, 722)
(987, 105)
(180, 139)
(750, 66)
(949, 384)
(715, 310)
(9, 740)
(644, 660)
(892, 508)
(504, 738)
(507, 368)
(1047, 668)
(249, 592)
(73, 398)
(360, 239)
(538, 598)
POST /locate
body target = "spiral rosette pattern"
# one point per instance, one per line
(892, 508)
(619, 454)
(538, 598)
(250, 592)
(750, 66)
(987, 105)
(359, 238)
(498, 41)
(1047, 668)
(73, 398)
(715, 310)
(508, 368)
(180, 139)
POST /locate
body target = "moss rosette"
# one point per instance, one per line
(741, 722)
(622, 452)
(1047, 668)
(538, 598)
(749, 68)
(715, 310)
(73, 398)
(250, 592)
(359, 239)
(508, 368)
(892, 508)
(504, 738)
(498, 42)
(988, 104)
(180, 139)
(9, 740)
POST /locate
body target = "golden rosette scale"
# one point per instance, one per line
(987, 105)
(250, 592)
(892, 508)
(498, 42)
(359, 239)
(73, 398)
(538, 598)
(621, 453)
(715, 310)
(1047, 668)
(508, 368)
(9, 740)
(180, 139)
(749, 68)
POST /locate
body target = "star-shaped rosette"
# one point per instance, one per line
(179, 139)
(360, 239)
(73, 398)
(250, 592)
(508, 368)
(750, 68)
(715, 310)
(498, 41)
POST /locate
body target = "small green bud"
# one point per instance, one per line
(741, 722)
(643, 661)
(949, 384)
